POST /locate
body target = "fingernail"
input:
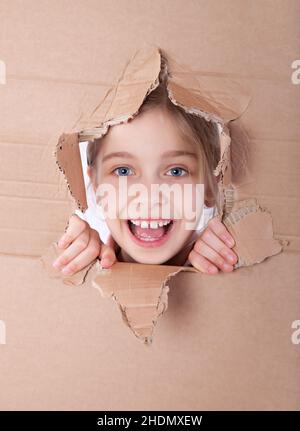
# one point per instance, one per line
(56, 264)
(231, 257)
(66, 271)
(105, 263)
(227, 267)
(61, 243)
(213, 270)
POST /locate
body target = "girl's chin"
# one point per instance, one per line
(150, 238)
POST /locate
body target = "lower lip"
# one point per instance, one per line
(151, 244)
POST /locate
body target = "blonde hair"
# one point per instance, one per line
(202, 133)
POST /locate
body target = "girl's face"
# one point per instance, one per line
(149, 150)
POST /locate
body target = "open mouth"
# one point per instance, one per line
(150, 233)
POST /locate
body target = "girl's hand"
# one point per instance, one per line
(212, 250)
(81, 245)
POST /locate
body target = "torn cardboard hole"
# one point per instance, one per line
(217, 100)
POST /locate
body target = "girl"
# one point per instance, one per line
(162, 144)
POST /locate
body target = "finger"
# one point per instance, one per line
(107, 256)
(76, 247)
(205, 250)
(74, 229)
(112, 243)
(82, 260)
(212, 240)
(202, 264)
(220, 230)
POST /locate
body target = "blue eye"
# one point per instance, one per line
(177, 171)
(122, 171)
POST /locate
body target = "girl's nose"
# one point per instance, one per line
(149, 201)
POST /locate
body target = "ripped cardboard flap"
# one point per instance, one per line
(141, 292)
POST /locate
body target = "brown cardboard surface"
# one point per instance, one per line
(227, 337)
(223, 343)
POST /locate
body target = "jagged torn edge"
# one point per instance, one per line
(161, 306)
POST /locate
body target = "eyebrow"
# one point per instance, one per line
(172, 153)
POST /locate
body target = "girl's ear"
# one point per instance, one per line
(209, 202)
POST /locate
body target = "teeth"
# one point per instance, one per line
(136, 222)
(153, 224)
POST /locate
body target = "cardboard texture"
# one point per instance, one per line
(224, 341)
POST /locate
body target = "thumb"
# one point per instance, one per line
(107, 256)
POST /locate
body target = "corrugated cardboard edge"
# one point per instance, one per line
(67, 154)
(127, 284)
(252, 228)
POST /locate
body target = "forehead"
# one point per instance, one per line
(154, 129)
